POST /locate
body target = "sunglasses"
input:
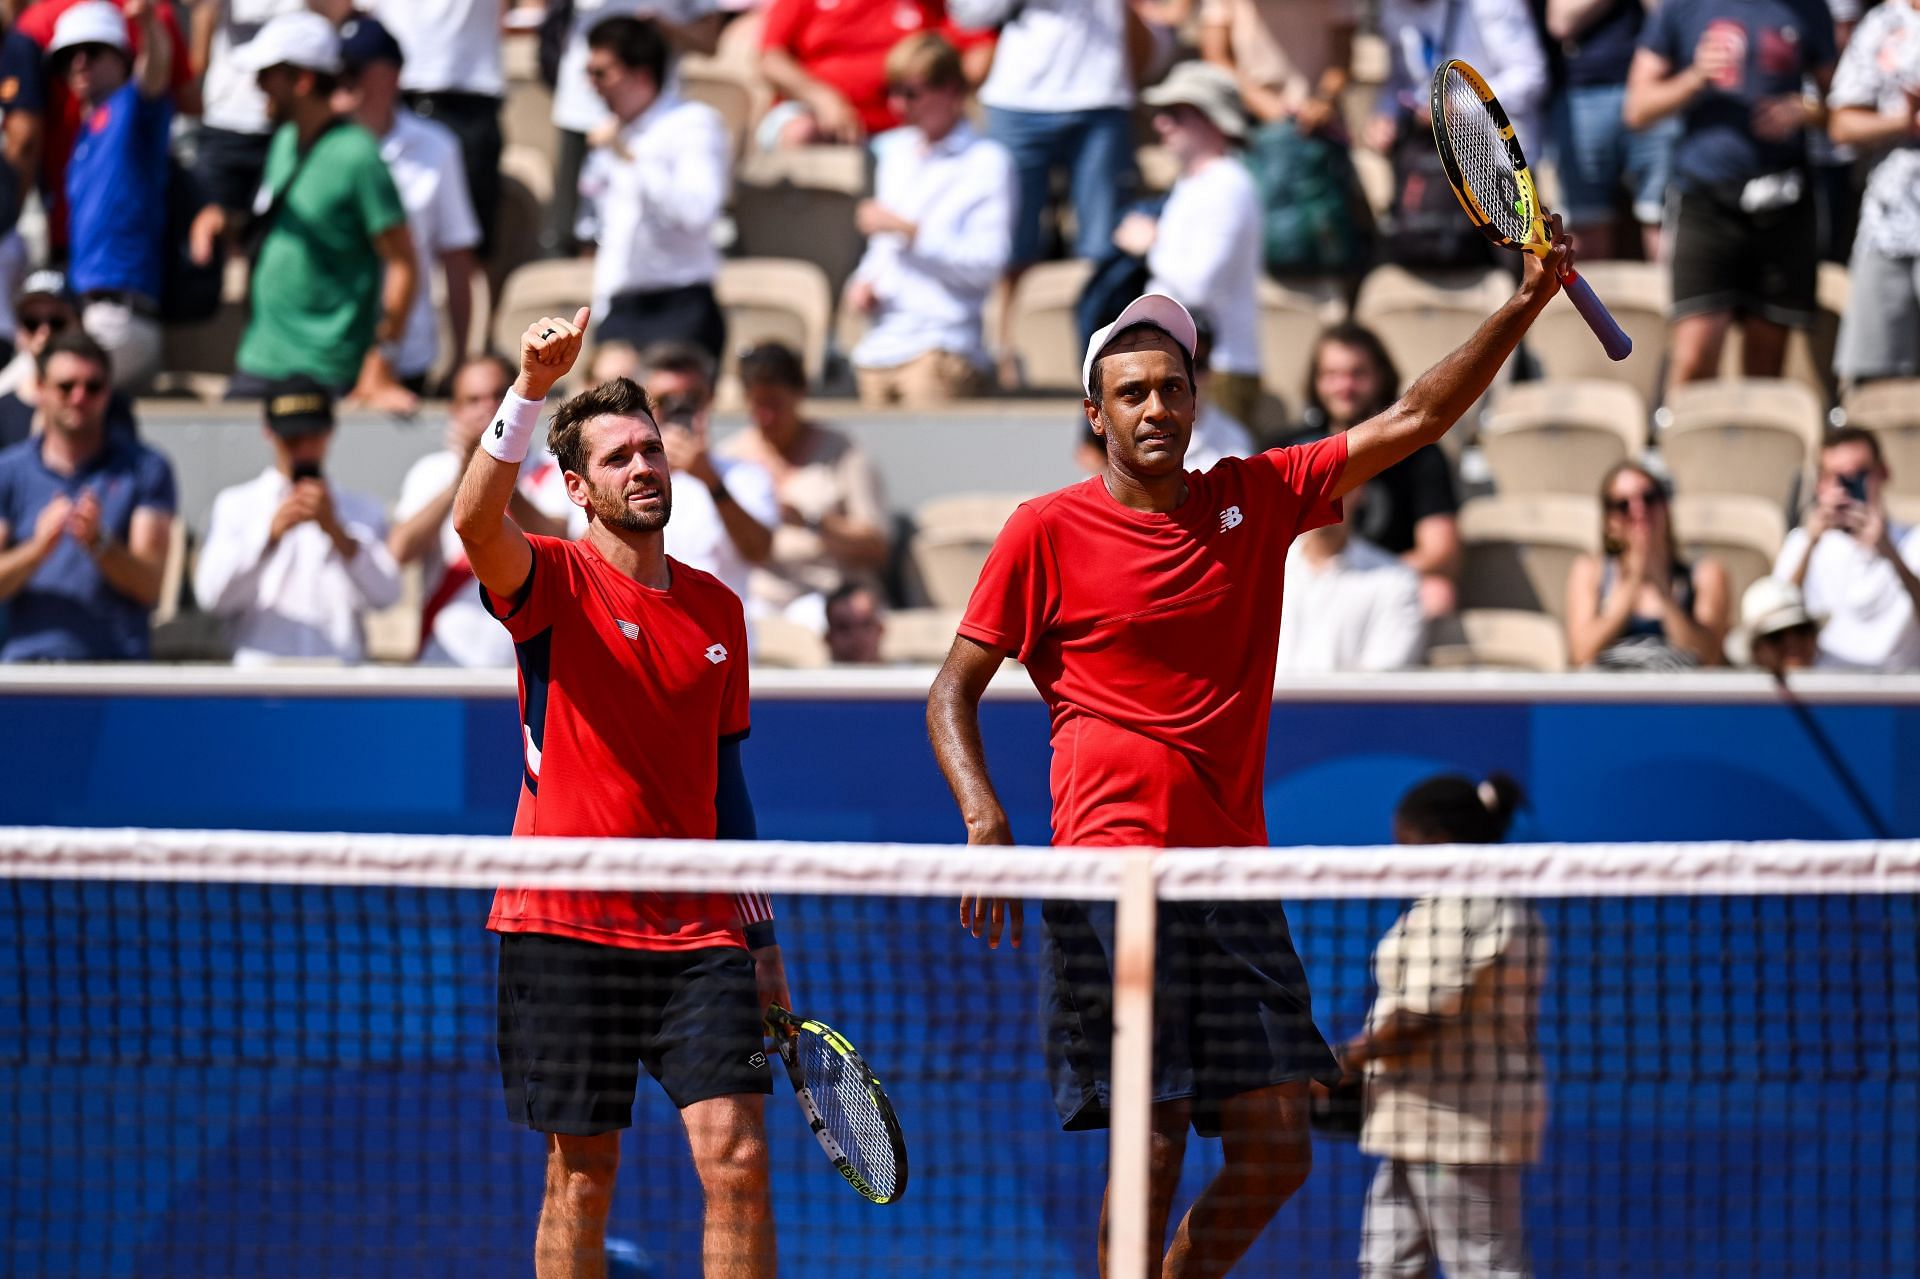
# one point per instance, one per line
(89, 387)
(1649, 500)
(34, 323)
(908, 92)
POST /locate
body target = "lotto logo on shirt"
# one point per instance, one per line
(716, 653)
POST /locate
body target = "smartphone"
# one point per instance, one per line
(305, 471)
(1855, 486)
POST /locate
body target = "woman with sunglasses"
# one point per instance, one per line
(1639, 606)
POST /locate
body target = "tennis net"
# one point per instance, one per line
(245, 1054)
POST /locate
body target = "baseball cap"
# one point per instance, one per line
(365, 41)
(1206, 88)
(298, 407)
(45, 283)
(1771, 606)
(1157, 309)
(91, 22)
(304, 39)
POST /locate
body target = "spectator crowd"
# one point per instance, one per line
(347, 157)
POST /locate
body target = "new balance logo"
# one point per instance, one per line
(716, 653)
(1231, 518)
(627, 629)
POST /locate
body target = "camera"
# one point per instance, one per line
(1855, 486)
(305, 471)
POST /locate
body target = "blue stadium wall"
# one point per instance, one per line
(244, 1080)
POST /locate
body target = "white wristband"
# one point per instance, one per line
(511, 434)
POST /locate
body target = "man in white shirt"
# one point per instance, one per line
(1854, 565)
(423, 158)
(725, 510)
(1060, 95)
(230, 151)
(1205, 249)
(659, 178)
(456, 628)
(292, 563)
(455, 77)
(939, 235)
(1348, 606)
(691, 26)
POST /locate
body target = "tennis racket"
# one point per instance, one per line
(844, 1105)
(1490, 177)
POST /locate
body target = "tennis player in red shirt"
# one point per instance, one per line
(633, 703)
(1145, 604)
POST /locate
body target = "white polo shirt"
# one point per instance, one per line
(452, 46)
(576, 107)
(1870, 624)
(659, 196)
(1359, 611)
(1207, 256)
(423, 157)
(1053, 55)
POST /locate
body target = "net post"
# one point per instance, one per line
(1131, 1105)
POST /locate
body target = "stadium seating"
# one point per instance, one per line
(799, 203)
(197, 359)
(1753, 435)
(1561, 437)
(516, 232)
(1742, 533)
(1637, 293)
(780, 641)
(950, 542)
(1891, 410)
(478, 334)
(557, 286)
(1291, 317)
(1499, 639)
(1519, 549)
(771, 299)
(919, 635)
(740, 97)
(1041, 329)
(1422, 317)
(393, 634)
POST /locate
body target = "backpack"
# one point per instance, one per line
(1426, 226)
(1314, 217)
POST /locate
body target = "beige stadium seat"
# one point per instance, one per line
(1637, 294)
(921, 636)
(531, 168)
(1375, 172)
(950, 542)
(1743, 533)
(1502, 639)
(479, 334)
(1754, 435)
(779, 641)
(526, 119)
(559, 286)
(197, 359)
(1519, 549)
(1903, 508)
(1041, 328)
(775, 300)
(1809, 354)
(1422, 317)
(393, 634)
(799, 203)
(1561, 437)
(728, 88)
(173, 574)
(1891, 410)
(1291, 317)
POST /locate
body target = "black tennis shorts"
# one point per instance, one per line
(1762, 263)
(1231, 1010)
(578, 1020)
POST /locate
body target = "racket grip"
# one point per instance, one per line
(1613, 339)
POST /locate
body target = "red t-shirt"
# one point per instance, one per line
(845, 43)
(625, 693)
(63, 109)
(1152, 639)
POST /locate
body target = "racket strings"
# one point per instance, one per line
(852, 1116)
(1485, 162)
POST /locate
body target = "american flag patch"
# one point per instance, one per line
(628, 629)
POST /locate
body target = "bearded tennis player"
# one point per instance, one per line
(633, 704)
(1145, 604)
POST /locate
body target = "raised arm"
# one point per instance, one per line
(953, 724)
(496, 547)
(1444, 392)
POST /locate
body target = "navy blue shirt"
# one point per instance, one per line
(1785, 39)
(1601, 54)
(67, 612)
(23, 87)
(116, 195)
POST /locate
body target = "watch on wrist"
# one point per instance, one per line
(719, 491)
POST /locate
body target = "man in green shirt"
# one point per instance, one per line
(334, 272)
